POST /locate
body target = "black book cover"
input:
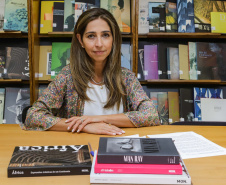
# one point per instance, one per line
(186, 104)
(17, 63)
(137, 151)
(32, 161)
(58, 16)
(140, 67)
(2, 60)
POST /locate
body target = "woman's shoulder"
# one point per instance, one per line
(126, 73)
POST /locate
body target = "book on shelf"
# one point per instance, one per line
(157, 15)
(183, 62)
(45, 59)
(143, 21)
(125, 56)
(2, 102)
(137, 151)
(69, 15)
(218, 22)
(33, 161)
(121, 11)
(17, 63)
(16, 99)
(151, 62)
(185, 16)
(60, 57)
(197, 104)
(192, 57)
(202, 13)
(140, 67)
(2, 60)
(2, 12)
(186, 104)
(163, 107)
(16, 16)
(46, 16)
(171, 15)
(58, 16)
(173, 65)
(213, 109)
(173, 101)
(112, 178)
(170, 169)
(80, 7)
(154, 98)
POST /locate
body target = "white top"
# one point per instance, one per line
(98, 95)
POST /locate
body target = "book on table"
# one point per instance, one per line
(137, 151)
(116, 178)
(33, 161)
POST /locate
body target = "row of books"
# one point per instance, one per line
(13, 15)
(181, 16)
(194, 61)
(138, 161)
(52, 58)
(62, 15)
(14, 63)
(185, 105)
(12, 102)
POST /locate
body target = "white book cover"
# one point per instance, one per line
(213, 109)
(2, 101)
(143, 22)
(139, 178)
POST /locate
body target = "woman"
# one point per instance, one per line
(93, 93)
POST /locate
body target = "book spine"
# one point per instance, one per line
(128, 159)
(45, 171)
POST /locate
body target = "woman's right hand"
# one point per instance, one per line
(102, 129)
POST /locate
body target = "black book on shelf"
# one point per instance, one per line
(137, 151)
(58, 16)
(2, 60)
(33, 161)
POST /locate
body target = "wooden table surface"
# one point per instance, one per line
(203, 171)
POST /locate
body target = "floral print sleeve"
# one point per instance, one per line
(140, 109)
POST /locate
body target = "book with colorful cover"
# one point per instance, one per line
(2, 102)
(34, 161)
(140, 67)
(173, 63)
(16, 16)
(17, 63)
(143, 21)
(60, 57)
(58, 16)
(112, 178)
(171, 15)
(121, 12)
(154, 98)
(2, 10)
(45, 60)
(69, 15)
(157, 15)
(125, 56)
(137, 151)
(192, 56)
(163, 107)
(185, 16)
(197, 104)
(169, 169)
(16, 99)
(218, 22)
(151, 62)
(202, 13)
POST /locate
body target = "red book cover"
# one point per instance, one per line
(170, 169)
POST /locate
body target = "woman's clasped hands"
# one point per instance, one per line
(92, 125)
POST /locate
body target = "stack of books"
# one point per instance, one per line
(138, 161)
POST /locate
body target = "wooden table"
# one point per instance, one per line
(203, 171)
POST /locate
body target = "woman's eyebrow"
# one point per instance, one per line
(106, 31)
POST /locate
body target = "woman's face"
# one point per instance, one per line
(97, 40)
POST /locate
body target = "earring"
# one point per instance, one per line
(82, 46)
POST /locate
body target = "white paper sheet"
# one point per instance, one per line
(192, 145)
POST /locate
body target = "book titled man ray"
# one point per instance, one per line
(32, 161)
(17, 63)
(16, 18)
(137, 151)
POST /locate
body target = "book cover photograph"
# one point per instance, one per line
(33, 161)
(143, 22)
(140, 67)
(2, 102)
(125, 56)
(2, 60)
(16, 99)
(2, 10)
(16, 18)
(17, 63)
(45, 59)
(202, 13)
(69, 15)
(137, 151)
(157, 16)
(163, 107)
(192, 56)
(171, 15)
(173, 63)
(60, 57)
(185, 16)
(121, 11)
